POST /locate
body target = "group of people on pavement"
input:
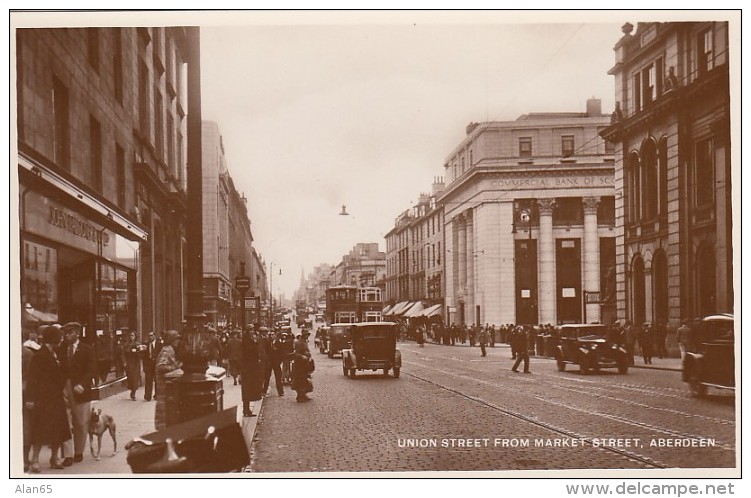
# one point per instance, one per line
(263, 352)
(57, 373)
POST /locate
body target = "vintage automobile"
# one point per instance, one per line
(321, 339)
(373, 348)
(338, 338)
(711, 361)
(590, 347)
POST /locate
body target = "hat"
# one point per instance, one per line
(170, 336)
(51, 334)
(72, 326)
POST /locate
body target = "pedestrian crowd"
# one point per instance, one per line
(649, 339)
(60, 370)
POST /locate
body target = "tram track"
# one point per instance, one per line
(634, 457)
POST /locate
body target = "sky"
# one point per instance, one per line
(320, 111)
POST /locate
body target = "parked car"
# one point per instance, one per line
(711, 363)
(321, 339)
(338, 338)
(373, 348)
(590, 347)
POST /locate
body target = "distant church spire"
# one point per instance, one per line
(302, 276)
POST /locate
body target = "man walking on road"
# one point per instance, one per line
(483, 340)
(519, 346)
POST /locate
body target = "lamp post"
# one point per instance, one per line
(271, 293)
(194, 393)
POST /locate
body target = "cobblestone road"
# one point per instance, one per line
(452, 410)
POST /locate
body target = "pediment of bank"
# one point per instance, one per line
(504, 187)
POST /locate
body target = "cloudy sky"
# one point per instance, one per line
(320, 110)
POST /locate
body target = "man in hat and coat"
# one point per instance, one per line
(77, 361)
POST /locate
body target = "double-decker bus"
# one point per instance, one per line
(350, 304)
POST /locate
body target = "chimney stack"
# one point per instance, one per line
(438, 185)
(594, 107)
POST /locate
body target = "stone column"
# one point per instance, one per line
(591, 257)
(471, 257)
(546, 263)
(462, 252)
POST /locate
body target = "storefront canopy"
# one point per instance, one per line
(398, 307)
(415, 310)
(387, 309)
(432, 311)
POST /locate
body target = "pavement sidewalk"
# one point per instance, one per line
(672, 364)
(136, 418)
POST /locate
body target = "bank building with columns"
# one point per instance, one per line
(529, 212)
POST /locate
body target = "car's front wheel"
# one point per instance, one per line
(331, 354)
(583, 366)
(396, 372)
(623, 368)
(560, 363)
(698, 390)
(345, 371)
(353, 372)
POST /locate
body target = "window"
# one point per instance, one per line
(704, 50)
(609, 147)
(471, 158)
(704, 173)
(92, 39)
(606, 211)
(525, 147)
(568, 211)
(463, 168)
(662, 168)
(634, 188)
(117, 62)
(567, 145)
(95, 144)
(120, 164)
(158, 124)
(649, 179)
(61, 135)
(637, 92)
(171, 167)
(144, 113)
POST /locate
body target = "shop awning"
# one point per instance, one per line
(415, 310)
(387, 309)
(398, 307)
(405, 309)
(432, 311)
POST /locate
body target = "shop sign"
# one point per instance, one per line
(46, 218)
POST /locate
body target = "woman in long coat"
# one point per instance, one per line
(166, 362)
(44, 398)
(133, 352)
(301, 381)
(251, 372)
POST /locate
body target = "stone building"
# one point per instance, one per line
(217, 286)
(529, 221)
(102, 179)
(671, 129)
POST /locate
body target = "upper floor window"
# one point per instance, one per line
(705, 51)
(61, 132)
(704, 173)
(567, 145)
(471, 158)
(648, 84)
(568, 211)
(525, 146)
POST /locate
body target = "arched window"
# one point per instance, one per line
(638, 291)
(634, 188)
(649, 179)
(705, 280)
(662, 175)
(660, 286)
